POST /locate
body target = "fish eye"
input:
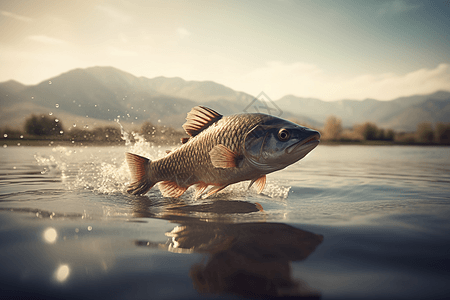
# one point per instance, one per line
(283, 135)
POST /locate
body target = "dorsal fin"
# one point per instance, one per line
(200, 118)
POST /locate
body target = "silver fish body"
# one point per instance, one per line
(222, 151)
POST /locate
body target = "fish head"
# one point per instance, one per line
(275, 143)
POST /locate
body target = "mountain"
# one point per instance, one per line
(99, 95)
(11, 86)
(401, 114)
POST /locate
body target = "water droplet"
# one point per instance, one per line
(50, 82)
(86, 126)
(95, 105)
(56, 120)
(73, 142)
(61, 132)
(89, 228)
(159, 121)
(5, 146)
(87, 116)
(74, 125)
(21, 136)
(50, 113)
(5, 135)
(32, 97)
(18, 144)
(57, 105)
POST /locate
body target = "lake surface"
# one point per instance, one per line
(346, 222)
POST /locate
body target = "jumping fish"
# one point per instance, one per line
(221, 151)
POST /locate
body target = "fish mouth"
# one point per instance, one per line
(303, 147)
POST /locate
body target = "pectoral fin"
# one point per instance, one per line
(222, 157)
(260, 183)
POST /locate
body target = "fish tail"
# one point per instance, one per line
(139, 168)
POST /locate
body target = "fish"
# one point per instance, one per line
(222, 150)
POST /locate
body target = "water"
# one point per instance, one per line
(347, 222)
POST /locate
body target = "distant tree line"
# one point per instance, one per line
(47, 127)
(44, 127)
(425, 133)
(154, 133)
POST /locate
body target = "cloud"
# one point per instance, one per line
(277, 79)
(396, 7)
(46, 40)
(114, 51)
(15, 16)
(183, 32)
(114, 13)
(123, 38)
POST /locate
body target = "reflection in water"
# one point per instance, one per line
(50, 235)
(62, 273)
(247, 259)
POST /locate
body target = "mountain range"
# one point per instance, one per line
(99, 95)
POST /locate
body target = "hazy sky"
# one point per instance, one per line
(324, 49)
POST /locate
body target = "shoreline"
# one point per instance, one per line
(5, 142)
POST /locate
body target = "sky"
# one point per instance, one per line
(329, 50)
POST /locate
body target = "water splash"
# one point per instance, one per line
(104, 169)
(54, 163)
(274, 190)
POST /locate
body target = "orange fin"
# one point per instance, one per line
(259, 206)
(199, 189)
(215, 190)
(260, 183)
(171, 189)
(222, 157)
(184, 140)
(139, 167)
(200, 118)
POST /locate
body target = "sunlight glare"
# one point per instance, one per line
(50, 235)
(62, 273)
